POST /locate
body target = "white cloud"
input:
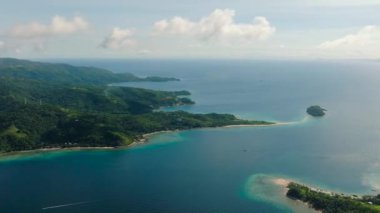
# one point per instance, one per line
(219, 25)
(342, 2)
(58, 26)
(145, 52)
(3, 49)
(39, 47)
(364, 37)
(119, 39)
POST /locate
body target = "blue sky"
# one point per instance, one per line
(284, 29)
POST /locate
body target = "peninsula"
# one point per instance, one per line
(46, 105)
(333, 202)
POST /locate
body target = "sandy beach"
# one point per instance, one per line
(53, 149)
(296, 205)
(281, 182)
(143, 139)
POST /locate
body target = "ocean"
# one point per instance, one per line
(217, 169)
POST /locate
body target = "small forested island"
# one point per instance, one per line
(329, 202)
(46, 105)
(316, 111)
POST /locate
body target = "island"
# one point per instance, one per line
(65, 73)
(316, 111)
(50, 106)
(325, 201)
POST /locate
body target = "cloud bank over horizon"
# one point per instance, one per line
(119, 39)
(58, 26)
(360, 44)
(289, 29)
(363, 37)
(219, 25)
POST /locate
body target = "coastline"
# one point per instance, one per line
(144, 139)
(272, 189)
(252, 125)
(301, 206)
(329, 201)
(284, 183)
(53, 149)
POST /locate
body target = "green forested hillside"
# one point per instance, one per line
(64, 73)
(58, 110)
(89, 98)
(331, 202)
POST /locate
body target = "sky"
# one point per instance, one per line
(239, 29)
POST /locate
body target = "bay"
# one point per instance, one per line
(208, 170)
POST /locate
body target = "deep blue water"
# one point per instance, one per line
(207, 170)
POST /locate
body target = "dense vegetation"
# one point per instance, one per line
(316, 111)
(334, 203)
(51, 109)
(64, 73)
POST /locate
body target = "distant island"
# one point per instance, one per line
(64, 73)
(332, 202)
(316, 111)
(46, 105)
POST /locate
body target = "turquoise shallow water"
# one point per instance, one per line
(207, 170)
(272, 190)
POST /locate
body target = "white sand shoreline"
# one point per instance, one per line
(283, 184)
(53, 149)
(144, 139)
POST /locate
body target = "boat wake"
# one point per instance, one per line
(66, 205)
